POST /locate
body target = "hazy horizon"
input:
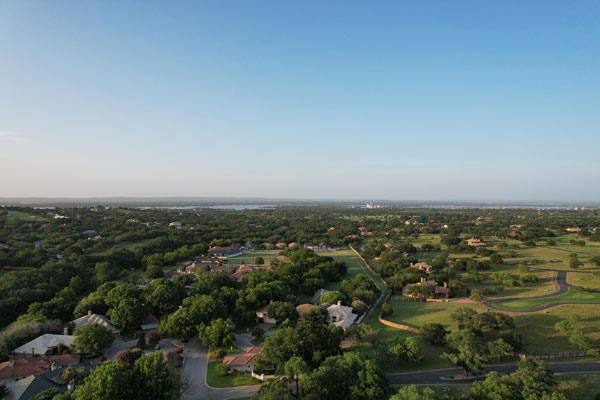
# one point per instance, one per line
(487, 101)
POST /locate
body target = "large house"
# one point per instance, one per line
(243, 362)
(443, 292)
(422, 267)
(206, 263)
(46, 344)
(340, 315)
(98, 319)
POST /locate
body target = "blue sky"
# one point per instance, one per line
(432, 100)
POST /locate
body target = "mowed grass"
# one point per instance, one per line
(579, 386)
(214, 379)
(591, 281)
(351, 260)
(12, 216)
(572, 295)
(248, 258)
(417, 314)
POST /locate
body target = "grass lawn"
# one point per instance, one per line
(417, 314)
(572, 295)
(248, 258)
(591, 281)
(214, 379)
(353, 262)
(540, 336)
(579, 386)
(12, 216)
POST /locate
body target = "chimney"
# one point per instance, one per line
(422, 279)
(89, 312)
(445, 284)
(11, 363)
(70, 387)
(339, 302)
(66, 330)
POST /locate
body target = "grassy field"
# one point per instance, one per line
(591, 281)
(572, 295)
(417, 314)
(12, 216)
(579, 386)
(267, 255)
(353, 262)
(214, 379)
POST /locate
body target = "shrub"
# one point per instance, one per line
(218, 354)
(477, 296)
(223, 369)
(386, 310)
(434, 333)
(528, 278)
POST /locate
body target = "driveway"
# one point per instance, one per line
(196, 361)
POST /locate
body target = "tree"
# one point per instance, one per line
(434, 333)
(532, 380)
(319, 339)
(149, 378)
(47, 394)
(406, 349)
(154, 272)
(413, 393)
(386, 310)
(259, 261)
(346, 377)
(282, 310)
(293, 368)
(498, 348)
(128, 314)
(574, 261)
(92, 338)
(496, 259)
(332, 297)
(163, 295)
(469, 353)
(153, 337)
(104, 272)
(278, 348)
(421, 291)
(477, 296)
(219, 333)
(128, 356)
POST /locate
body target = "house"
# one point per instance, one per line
(3, 246)
(316, 299)
(46, 344)
(293, 244)
(243, 362)
(242, 271)
(263, 313)
(206, 263)
(422, 267)
(340, 315)
(572, 230)
(23, 367)
(304, 308)
(310, 246)
(476, 243)
(98, 319)
(175, 224)
(283, 259)
(224, 252)
(267, 245)
(149, 323)
(443, 292)
(281, 246)
(89, 232)
(248, 246)
(514, 235)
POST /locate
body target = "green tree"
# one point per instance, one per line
(163, 295)
(154, 272)
(278, 349)
(386, 310)
(434, 333)
(219, 333)
(282, 310)
(92, 338)
(332, 297)
(293, 368)
(128, 314)
(470, 353)
(405, 349)
(109, 381)
(413, 393)
(498, 348)
(259, 261)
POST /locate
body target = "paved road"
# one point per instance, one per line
(196, 361)
(435, 377)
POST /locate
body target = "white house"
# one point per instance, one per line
(95, 319)
(43, 345)
(340, 315)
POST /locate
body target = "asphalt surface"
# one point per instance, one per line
(436, 377)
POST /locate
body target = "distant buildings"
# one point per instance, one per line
(422, 267)
(224, 252)
(97, 319)
(476, 243)
(443, 292)
(340, 315)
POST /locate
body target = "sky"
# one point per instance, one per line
(399, 100)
